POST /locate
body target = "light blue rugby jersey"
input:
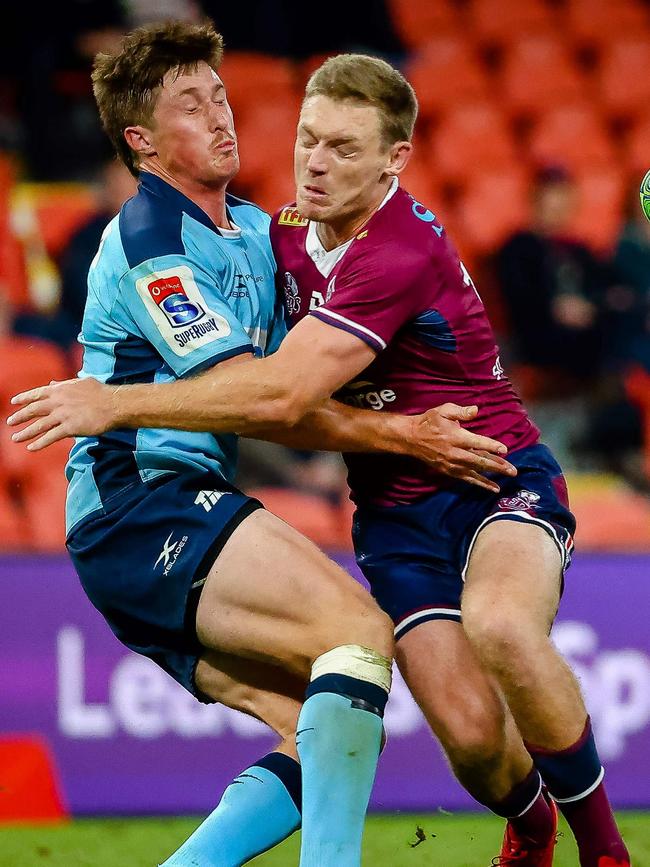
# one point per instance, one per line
(169, 294)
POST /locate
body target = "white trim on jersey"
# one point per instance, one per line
(584, 794)
(323, 311)
(500, 516)
(425, 612)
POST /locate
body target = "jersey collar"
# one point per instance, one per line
(154, 185)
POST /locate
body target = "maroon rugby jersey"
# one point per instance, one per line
(399, 286)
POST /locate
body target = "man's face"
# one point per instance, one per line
(193, 130)
(339, 160)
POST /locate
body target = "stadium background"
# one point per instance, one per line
(517, 97)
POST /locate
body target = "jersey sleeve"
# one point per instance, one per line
(178, 308)
(372, 298)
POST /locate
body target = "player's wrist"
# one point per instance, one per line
(401, 432)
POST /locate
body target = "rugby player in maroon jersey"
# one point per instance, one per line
(387, 318)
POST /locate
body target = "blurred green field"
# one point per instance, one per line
(459, 840)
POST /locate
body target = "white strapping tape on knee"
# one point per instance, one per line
(355, 661)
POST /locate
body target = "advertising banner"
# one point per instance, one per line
(127, 739)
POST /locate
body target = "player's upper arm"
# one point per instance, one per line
(314, 361)
(178, 308)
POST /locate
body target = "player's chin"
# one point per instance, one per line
(311, 210)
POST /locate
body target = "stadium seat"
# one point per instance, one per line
(637, 148)
(601, 199)
(444, 72)
(420, 21)
(273, 190)
(253, 79)
(573, 135)
(637, 386)
(537, 72)
(266, 138)
(492, 206)
(624, 78)
(595, 23)
(524, 18)
(59, 208)
(312, 516)
(37, 478)
(471, 138)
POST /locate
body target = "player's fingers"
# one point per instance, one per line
(28, 396)
(52, 436)
(480, 481)
(455, 412)
(34, 429)
(468, 440)
(27, 413)
(481, 462)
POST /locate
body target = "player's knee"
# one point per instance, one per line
(503, 639)
(360, 621)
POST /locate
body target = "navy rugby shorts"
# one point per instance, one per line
(415, 555)
(143, 563)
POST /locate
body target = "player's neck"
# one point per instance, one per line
(212, 200)
(336, 232)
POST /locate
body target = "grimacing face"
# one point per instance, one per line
(193, 131)
(340, 160)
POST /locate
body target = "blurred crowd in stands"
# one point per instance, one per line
(533, 136)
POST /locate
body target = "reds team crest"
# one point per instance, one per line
(291, 294)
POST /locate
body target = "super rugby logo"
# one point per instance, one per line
(170, 297)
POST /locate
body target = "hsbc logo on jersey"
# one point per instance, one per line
(170, 296)
(182, 315)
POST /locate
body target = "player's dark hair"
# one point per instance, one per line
(359, 78)
(125, 84)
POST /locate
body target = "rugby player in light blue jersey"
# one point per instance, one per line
(187, 570)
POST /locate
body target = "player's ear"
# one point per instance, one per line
(400, 154)
(138, 139)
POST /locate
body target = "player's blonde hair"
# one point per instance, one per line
(125, 84)
(363, 79)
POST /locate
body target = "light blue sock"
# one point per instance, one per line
(257, 811)
(339, 736)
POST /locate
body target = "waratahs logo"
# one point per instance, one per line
(291, 294)
(170, 296)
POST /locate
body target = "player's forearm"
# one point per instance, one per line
(239, 398)
(335, 427)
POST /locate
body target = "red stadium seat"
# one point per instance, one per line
(312, 516)
(525, 17)
(637, 148)
(601, 199)
(37, 478)
(420, 21)
(469, 139)
(538, 72)
(266, 138)
(573, 135)
(595, 23)
(444, 72)
(59, 208)
(624, 76)
(637, 386)
(492, 206)
(253, 79)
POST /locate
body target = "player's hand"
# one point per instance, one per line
(438, 439)
(75, 407)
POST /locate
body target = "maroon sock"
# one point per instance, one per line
(527, 810)
(574, 779)
(594, 827)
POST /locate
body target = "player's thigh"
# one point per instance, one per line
(513, 580)
(273, 596)
(459, 700)
(258, 689)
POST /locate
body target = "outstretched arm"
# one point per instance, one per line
(254, 397)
